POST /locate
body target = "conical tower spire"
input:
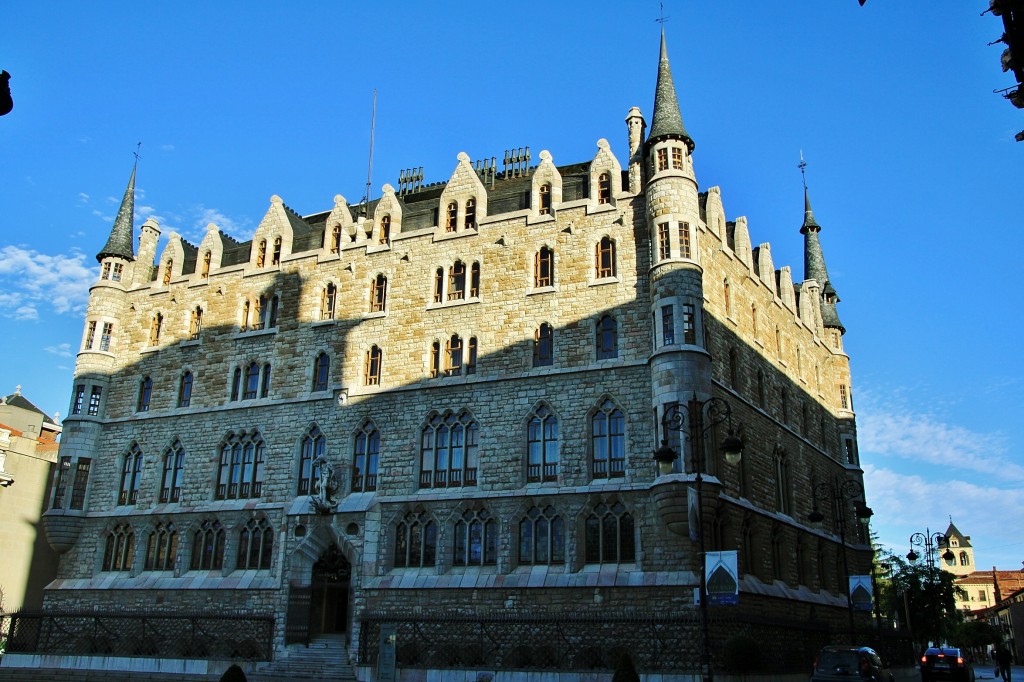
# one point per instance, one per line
(667, 122)
(121, 235)
(814, 261)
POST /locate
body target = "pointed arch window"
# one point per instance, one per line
(236, 383)
(328, 301)
(451, 216)
(173, 470)
(265, 383)
(161, 548)
(261, 254)
(321, 371)
(608, 535)
(474, 280)
(604, 188)
(415, 541)
(542, 446)
(453, 356)
(607, 338)
(378, 293)
(781, 465)
(120, 548)
(544, 268)
(733, 369)
(252, 381)
(195, 324)
(208, 547)
(336, 238)
(155, 327)
(276, 258)
(439, 285)
(312, 446)
(470, 214)
(374, 360)
(544, 346)
(255, 545)
(608, 441)
(267, 311)
(604, 258)
(542, 537)
(727, 297)
(435, 359)
(544, 198)
(366, 459)
(245, 315)
(207, 259)
(131, 476)
(457, 281)
(475, 539)
(778, 556)
(168, 266)
(240, 473)
(385, 230)
(185, 389)
(471, 349)
(449, 454)
(145, 393)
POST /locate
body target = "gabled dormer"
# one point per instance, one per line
(463, 201)
(211, 251)
(605, 176)
(172, 260)
(545, 187)
(339, 229)
(387, 218)
(275, 235)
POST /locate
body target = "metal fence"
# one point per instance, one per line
(656, 642)
(197, 635)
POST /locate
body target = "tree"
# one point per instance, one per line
(921, 597)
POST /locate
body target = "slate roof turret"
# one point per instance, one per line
(120, 243)
(667, 122)
(814, 267)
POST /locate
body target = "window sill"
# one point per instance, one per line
(187, 343)
(538, 219)
(149, 349)
(105, 353)
(542, 290)
(453, 304)
(441, 234)
(254, 333)
(601, 208)
(376, 315)
(323, 323)
(614, 279)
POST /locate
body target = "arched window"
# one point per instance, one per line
(195, 324)
(542, 537)
(778, 556)
(252, 381)
(374, 360)
(155, 326)
(543, 346)
(607, 338)
(781, 464)
(313, 445)
(608, 535)
(474, 280)
(120, 549)
(544, 268)
(236, 383)
(733, 369)
(415, 541)
(453, 356)
(965, 560)
(167, 271)
(542, 446)
(448, 451)
(604, 258)
(727, 296)
(240, 473)
(336, 238)
(378, 293)
(208, 547)
(471, 349)
(161, 548)
(173, 470)
(245, 316)
(255, 545)
(145, 393)
(261, 254)
(276, 259)
(604, 188)
(131, 475)
(366, 459)
(439, 285)
(185, 390)
(321, 371)
(457, 281)
(471, 214)
(267, 312)
(207, 259)
(327, 301)
(435, 359)
(451, 216)
(544, 195)
(265, 383)
(385, 230)
(608, 441)
(475, 540)
(761, 392)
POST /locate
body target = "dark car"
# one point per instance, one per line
(945, 663)
(849, 662)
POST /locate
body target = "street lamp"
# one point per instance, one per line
(690, 421)
(838, 493)
(930, 542)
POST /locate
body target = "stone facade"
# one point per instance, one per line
(536, 326)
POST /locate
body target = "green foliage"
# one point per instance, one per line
(920, 597)
(976, 634)
(624, 670)
(741, 654)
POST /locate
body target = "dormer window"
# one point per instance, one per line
(471, 214)
(336, 239)
(261, 254)
(168, 266)
(207, 258)
(544, 199)
(604, 188)
(451, 215)
(276, 259)
(385, 230)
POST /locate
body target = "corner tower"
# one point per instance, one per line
(680, 365)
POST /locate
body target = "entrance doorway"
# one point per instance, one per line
(328, 612)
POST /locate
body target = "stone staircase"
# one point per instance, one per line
(324, 660)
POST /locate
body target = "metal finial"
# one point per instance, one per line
(138, 148)
(803, 165)
(661, 15)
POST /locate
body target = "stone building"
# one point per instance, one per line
(441, 405)
(28, 451)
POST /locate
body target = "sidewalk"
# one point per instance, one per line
(985, 671)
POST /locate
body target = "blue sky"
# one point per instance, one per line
(913, 171)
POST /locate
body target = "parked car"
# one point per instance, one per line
(945, 663)
(848, 662)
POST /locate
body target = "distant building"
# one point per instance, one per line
(979, 589)
(28, 452)
(440, 407)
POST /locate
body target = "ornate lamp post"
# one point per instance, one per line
(930, 543)
(690, 421)
(839, 493)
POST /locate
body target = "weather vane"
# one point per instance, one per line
(661, 15)
(803, 165)
(138, 147)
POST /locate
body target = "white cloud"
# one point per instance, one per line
(62, 350)
(167, 147)
(33, 280)
(83, 198)
(240, 230)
